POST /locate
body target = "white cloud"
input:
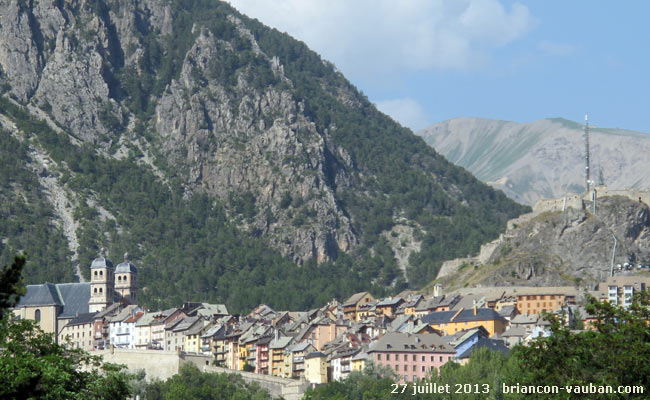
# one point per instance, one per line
(406, 111)
(375, 37)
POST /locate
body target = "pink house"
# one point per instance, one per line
(412, 357)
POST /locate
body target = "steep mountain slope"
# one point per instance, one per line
(541, 159)
(552, 247)
(207, 145)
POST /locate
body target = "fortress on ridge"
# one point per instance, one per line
(54, 305)
(575, 201)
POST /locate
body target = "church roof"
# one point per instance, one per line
(73, 297)
(41, 295)
(76, 297)
(101, 262)
(126, 267)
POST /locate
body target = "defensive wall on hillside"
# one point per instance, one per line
(157, 364)
(164, 364)
(542, 206)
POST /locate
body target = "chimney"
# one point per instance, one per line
(474, 301)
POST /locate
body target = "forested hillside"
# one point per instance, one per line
(232, 162)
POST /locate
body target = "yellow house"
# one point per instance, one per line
(356, 301)
(193, 339)
(450, 322)
(316, 367)
(78, 333)
(359, 361)
(277, 352)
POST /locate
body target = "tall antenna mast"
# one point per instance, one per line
(586, 137)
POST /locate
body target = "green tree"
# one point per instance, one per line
(614, 354)
(192, 384)
(483, 373)
(11, 284)
(32, 366)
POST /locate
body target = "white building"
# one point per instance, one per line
(122, 327)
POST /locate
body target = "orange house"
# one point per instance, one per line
(450, 322)
(545, 299)
(352, 305)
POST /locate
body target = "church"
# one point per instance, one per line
(54, 305)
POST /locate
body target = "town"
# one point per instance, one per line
(410, 333)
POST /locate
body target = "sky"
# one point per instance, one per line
(426, 61)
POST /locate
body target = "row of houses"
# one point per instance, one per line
(410, 333)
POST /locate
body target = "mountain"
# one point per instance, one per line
(231, 162)
(561, 244)
(541, 159)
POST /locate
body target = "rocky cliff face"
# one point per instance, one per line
(63, 57)
(559, 248)
(224, 106)
(541, 159)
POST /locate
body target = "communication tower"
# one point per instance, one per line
(586, 137)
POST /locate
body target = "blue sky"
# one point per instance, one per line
(425, 61)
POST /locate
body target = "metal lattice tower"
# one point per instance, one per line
(586, 137)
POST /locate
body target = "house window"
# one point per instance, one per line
(387, 357)
(415, 378)
(423, 369)
(440, 358)
(406, 378)
(396, 357)
(431, 358)
(378, 357)
(422, 358)
(37, 315)
(397, 368)
(414, 368)
(413, 357)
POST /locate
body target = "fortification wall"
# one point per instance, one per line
(164, 364)
(632, 194)
(289, 389)
(451, 266)
(544, 205)
(157, 364)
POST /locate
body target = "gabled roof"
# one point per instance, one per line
(519, 331)
(390, 301)
(82, 319)
(281, 342)
(480, 331)
(409, 343)
(134, 317)
(300, 346)
(41, 295)
(124, 314)
(354, 299)
(146, 319)
(316, 354)
(109, 311)
(186, 323)
(73, 297)
(209, 310)
(443, 317)
(524, 319)
(76, 297)
(492, 344)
